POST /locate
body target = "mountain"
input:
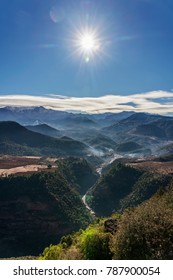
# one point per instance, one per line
(128, 147)
(29, 113)
(35, 115)
(101, 142)
(105, 119)
(78, 121)
(147, 132)
(16, 139)
(141, 118)
(134, 121)
(40, 115)
(101, 134)
(37, 210)
(162, 129)
(45, 130)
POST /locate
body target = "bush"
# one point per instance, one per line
(57, 252)
(53, 252)
(95, 245)
(146, 232)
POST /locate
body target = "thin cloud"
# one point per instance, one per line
(150, 102)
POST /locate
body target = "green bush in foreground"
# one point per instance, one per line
(147, 231)
(95, 245)
(89, 244)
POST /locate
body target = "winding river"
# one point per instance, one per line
(99, 171)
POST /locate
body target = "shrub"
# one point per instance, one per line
(95, 245)
(146, 232)
(53, 252)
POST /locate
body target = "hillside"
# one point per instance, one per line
(17, 140)
(105, 119)
(113, 238)
(150, 132)
(106, 194)
(128, 147)
(78, 172)
(124, 186)
(160, 129)
(132, 121)
(45, 130)
(101, 142)
(36, 210)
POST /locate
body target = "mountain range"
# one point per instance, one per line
(18, 140)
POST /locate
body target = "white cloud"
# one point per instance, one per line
(150, 102)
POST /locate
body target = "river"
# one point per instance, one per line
(99, 171)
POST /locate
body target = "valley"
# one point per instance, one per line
(60, 172)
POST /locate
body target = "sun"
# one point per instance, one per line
(87, 44)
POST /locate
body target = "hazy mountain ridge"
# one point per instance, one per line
(162, 129)
(45, 130)
(104, 133)
(14, 134)
(135, 120)
(35, 115)
(151, 132)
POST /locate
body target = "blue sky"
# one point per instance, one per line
(39, 56)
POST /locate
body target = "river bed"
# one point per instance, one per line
(99, 171)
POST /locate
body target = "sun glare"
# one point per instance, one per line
(88, 44)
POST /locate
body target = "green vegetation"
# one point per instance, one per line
(45, 208)
(123, 186)
(36, 210)
(90, 244)
(146, 186)
(145, 232)
(11, 148)
(111, 188)
(78, 172)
